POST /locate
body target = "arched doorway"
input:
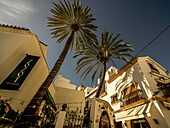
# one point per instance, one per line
(104, 120)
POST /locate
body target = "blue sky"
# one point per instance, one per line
(139, 21)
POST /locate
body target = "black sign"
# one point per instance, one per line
(19, 74)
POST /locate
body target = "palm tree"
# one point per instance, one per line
(97, 56)
(68, 20)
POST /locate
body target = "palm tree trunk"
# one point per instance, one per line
(101, 84)
(28, 114)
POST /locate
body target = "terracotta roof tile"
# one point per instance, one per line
(15, 27)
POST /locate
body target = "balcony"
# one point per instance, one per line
(132, 97)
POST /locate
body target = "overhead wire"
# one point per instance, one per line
(152, 40)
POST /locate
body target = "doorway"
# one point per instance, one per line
(104, 120)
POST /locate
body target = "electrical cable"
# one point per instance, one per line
(152, 40)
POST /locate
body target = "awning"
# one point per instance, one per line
(167, 104)
(137, 112)
(50, 100)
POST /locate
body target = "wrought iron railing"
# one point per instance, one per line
(46, 118)
(43, 117)
(76, 119)
(132, 97)
(73, 120)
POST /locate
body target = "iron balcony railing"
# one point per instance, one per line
(132, 97)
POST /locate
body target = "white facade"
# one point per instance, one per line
(133, 94)
(16, 43)
(88, 90)
(66, 93)
(141, 73)
(98, 108)
(64, 82)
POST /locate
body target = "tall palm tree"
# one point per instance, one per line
(96, 57)
(68, 20)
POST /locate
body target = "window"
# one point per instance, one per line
(114, 99)
(152, 67)
(140, 123)
(132, 94)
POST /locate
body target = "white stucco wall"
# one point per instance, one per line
(96, 112)
(140, 73)
(74, 99)
(88, 90)
(149, 82)
(134, 73)
(13, 48)
(156, 112)
(64, 83)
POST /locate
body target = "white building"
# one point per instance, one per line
(134, 94)
(23, 67)
(66, 94)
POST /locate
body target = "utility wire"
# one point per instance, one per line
(152, 40)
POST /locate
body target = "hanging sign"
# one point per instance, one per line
(19, 74)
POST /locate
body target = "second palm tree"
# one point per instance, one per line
(95, 57)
